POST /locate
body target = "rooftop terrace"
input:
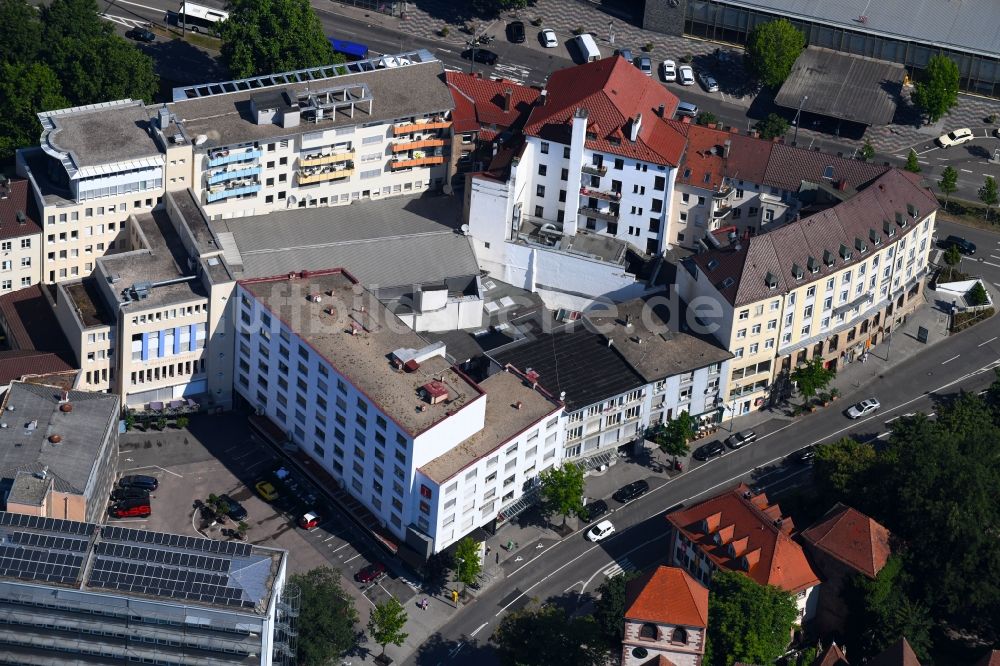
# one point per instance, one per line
(357, 335)
(107, 133)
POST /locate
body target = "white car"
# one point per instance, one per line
(863, 408)
(686, 75)
(956, 138)
(708, 82)
(669, 69)
(549, 38)
(600, 531)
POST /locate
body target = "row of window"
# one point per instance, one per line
(7, 285)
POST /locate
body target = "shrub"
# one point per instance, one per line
(647, 47)
(536, 22)
(687, 58)
(444, 31)
(578, 31)
(183, 421)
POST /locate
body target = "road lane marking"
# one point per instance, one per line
(892, 419)
(966, 170)
(950, 359)
(884, 434)
(478, 629)
(988, 341)
(990, 263)
(136, 4)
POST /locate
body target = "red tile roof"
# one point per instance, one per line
(832, 656)
(16, 364)
(777, 251)
(789, 166)
(667, 595)
(18, 199)
(898, 654)
(480, 101)
(759, 538)
(853, 538)
(991, 659)
(30, 322)
(614, 93)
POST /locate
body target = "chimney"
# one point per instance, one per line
(842, 184)
(543, 97)
(507, 94)
(163, 117)
(633, 133)
(663, 109)
(725, 148)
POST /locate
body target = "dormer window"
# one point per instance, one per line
(913, 211)
(887, 227)
(797, 272)
(828, 258)
(728, 282)
(712, 264)
(874, 237)
(687, 173)
(813, 265)
(591, 136)
(860, 245)
(614, 141)
(845, 252)
(901, 220)
(679, 635)
(770, 280)
(649, 632)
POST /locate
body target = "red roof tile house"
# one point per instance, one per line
(843, 544)
(665, 619)
(740, 531)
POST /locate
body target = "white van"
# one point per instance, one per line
(588, 47)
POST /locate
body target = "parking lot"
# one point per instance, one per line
(217, 454)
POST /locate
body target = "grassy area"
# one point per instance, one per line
(195, 39)
(968, 213)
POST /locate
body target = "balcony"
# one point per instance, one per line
(220, 156)
(594, 170)
(402, 146)
(321, 174)
(721, 211)
(222, 175)
(235, 189)
(421, 126)
(417, 160)
(600, 194)
(610, 214)
(319, 159)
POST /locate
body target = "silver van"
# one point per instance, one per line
(687, 109)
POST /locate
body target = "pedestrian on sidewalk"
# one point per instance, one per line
(498, 558)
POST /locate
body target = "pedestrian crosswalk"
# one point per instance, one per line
(618, 568)
(514, 73)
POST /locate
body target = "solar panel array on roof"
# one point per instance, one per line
(229, 548)
(37, 564)
(169, 579)
(47, 524)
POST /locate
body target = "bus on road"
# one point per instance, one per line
(197, 18)
(350, 50)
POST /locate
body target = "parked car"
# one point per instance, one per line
(515, 31)
(956, 138)
(710, 450)
(708, 82)
(686, 75)
(804, 456)
(741, 439)
(625, 53)
(549, 39)
(233, 508)
(149, 483)
(484, 56)
(141, 35)
(594, 510)
(863, 408)
(631, 491)
(645, 65)
(266, 490)
(310, 520)
(119, 494)
(372, 573)
(132, 508)
(964, 246)
(600, 531)
(669, 70)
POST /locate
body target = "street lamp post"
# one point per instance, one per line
(795, 139)
(611, 32)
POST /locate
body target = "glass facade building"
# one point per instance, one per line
(718, 20)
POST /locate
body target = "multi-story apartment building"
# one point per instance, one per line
(749, 185)
(319, 137)
(430, 453)
(828, 286)
(81, 592)
(58, 452)
(20, 236)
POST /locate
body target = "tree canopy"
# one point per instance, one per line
(547, 636)
(747, 622)
(329, 614)
(269, 36)
(812, 376)
(772, 48)
(25, 89)
(948, 183)
(673, 436)
(772, 126)
(385, 625)
(562, 490)
(20, 32)
(912, 164)
(467, 562)
(938, 92)
(988, 194)
(610, 607)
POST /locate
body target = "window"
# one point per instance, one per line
(744, 314)
(742, 333)
(545, 148)
(539, 211)
(755, 329)
(772, 325)
(619, 164)
(542, 170)
(810, 292)
(539, 190)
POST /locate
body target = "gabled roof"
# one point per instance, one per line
(667, 595)
(614, 93)
(832, 656)
(18, 199)
(480, 101)
(788, 166)
(898, 654)
(740, 275)
(739, 531)
(851, 537)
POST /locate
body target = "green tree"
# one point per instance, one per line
(385, 625)
(467, 562)
(73, 19)
(673, 436)
(867, 150)
(609, 611)
(495, 7)
(772, 126)
(103, 68)
(772, 49)
(988, 194)
(948, 183)
(20, 32)
(747, 622)
(547, 636)
(329, 614)
(938, 92)
(841, 466)
(912, 165)
(25, 89)
(977, 295)
(706, 118)
(270, 36)
(562, 490)
(952, 256)
(812, 376)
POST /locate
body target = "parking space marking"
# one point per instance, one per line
(987, 342)
(329, 537)
(339, 547)
(132, 469)
(379, 584)
(950, 359)
(353, 558)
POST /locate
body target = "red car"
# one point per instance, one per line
(310, 521)
(133, 508)
(372, 573)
